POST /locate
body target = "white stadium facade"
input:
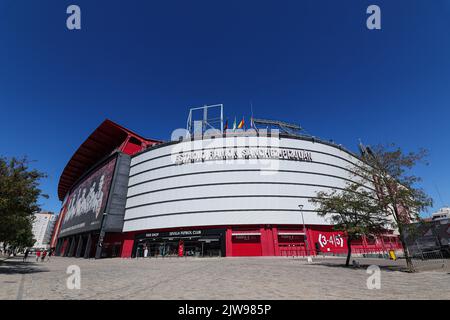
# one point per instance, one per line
(228, 193)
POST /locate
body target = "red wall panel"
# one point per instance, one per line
(247, 247)
(131, 148)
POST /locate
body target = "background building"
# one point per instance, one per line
(43, 225)
(443, 213)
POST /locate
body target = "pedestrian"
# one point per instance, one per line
(138, 252)
(43, 255)
(27, 252)
(38, 255)
(145, 252)
(50, 252)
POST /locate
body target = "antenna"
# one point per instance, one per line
(439, 194)
(362, 148)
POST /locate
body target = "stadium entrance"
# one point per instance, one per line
(187, 243)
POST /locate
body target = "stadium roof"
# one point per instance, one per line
(106, 139)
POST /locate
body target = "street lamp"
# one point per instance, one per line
(300, 206)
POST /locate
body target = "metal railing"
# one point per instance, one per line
(361, 252)
(293, 252)
(429, 259)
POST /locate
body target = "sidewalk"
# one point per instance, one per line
(3, 257)
(221, 278)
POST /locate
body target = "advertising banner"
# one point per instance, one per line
(328, 241)
(86, 203)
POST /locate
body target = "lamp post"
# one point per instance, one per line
(300, 206)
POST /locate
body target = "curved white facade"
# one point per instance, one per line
(164, 192)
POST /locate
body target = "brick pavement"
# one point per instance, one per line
(213, 278)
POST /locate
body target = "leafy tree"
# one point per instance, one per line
(397, 192)
(24, 237)
(19, 195)
(353, 210)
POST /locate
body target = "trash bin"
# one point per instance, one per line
(392, 255)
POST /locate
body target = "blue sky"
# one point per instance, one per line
(143, 63)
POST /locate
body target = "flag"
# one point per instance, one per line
(226, 126)
(234, 124)
(241, 124)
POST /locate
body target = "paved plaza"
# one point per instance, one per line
(214, 278)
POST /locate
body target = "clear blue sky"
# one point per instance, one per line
(142, 63)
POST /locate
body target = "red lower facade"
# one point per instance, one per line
(250, 241)
(229, 241)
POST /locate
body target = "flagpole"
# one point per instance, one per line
(251, 116)
(252, 123)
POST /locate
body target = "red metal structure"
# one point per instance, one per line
(106, 139)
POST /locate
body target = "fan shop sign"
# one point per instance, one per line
(243, 153)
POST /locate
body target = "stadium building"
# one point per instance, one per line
(211, 191)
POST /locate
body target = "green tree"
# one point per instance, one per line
(397, 191)
(19, 195)
(24, 236)
(352, 210)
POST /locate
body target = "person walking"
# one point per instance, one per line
(50, 252)
(27, 252)
(38, 255)
(43, 255)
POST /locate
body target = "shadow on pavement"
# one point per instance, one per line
(364, 263)
(17, 266)
(363, 266)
